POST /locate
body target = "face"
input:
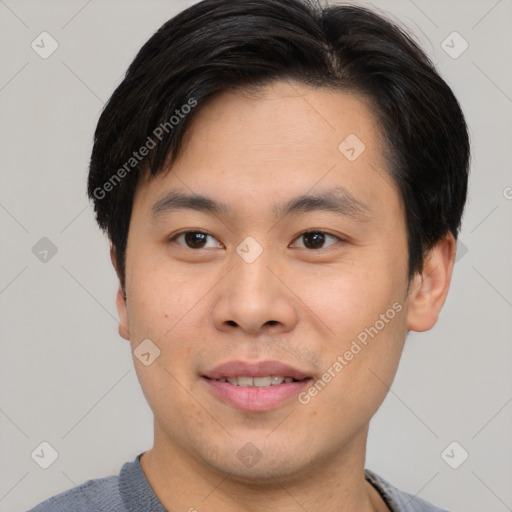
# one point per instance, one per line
(316, 286)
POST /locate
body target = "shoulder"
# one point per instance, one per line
(398, 500)
(98, 495)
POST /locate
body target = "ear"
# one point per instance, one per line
(124, 326)
(429, 288)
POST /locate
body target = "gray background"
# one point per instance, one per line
(67, 378)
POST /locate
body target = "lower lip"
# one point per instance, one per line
(256, 399)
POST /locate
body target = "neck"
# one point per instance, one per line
(336, 481)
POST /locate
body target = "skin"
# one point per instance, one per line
(303, 306)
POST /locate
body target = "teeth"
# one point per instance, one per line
(245, 381)
(262, 382)
(257, 382)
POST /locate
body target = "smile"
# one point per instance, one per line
(256, 382)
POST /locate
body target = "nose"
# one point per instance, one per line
(255, 298)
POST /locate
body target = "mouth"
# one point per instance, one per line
(260, 372)
(257, 382)
(256, 387)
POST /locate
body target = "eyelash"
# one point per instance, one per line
(174, 237)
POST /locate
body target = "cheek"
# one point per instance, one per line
(350, 300)
(169, 396)
(364, 366)
(365, 315)
(163, 297)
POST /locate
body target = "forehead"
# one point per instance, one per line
(284, 116)
(251, 146)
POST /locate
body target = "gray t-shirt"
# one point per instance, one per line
(131, 492)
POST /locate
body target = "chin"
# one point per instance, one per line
(263, 466)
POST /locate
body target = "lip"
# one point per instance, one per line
(258, 369)
(255, 399)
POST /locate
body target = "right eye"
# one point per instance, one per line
(192, 239)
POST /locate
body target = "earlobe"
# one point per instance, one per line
(429, 288)
(121, 305)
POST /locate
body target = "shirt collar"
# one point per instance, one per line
(138, 495)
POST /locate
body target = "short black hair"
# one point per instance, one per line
(220, 45)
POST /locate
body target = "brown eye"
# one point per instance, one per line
(315, 239)
(193, 239)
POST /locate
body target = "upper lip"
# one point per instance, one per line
(257, 369)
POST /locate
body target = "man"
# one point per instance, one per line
(282, 186)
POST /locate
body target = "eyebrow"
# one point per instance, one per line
(337, 200)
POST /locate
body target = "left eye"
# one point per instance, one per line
(193, 239)
(315, 239)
